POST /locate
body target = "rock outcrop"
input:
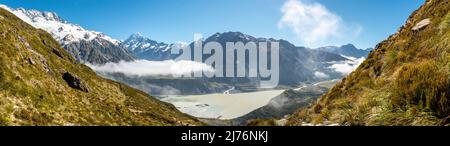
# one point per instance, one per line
(74, 82)
(422, 24)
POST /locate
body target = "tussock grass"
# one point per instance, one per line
(33, 92)
(404, 81)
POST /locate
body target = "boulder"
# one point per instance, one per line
(57, 53)
(74, 82)
(422, 24)
(31, 61)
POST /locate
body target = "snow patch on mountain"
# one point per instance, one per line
(60, 29)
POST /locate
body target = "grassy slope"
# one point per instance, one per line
(33, 92)
(404, 81)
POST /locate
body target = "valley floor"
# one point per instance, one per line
(222, 106)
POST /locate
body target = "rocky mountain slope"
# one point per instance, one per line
(84, 45)
(41, 84)
(404, 81)
(348, 50)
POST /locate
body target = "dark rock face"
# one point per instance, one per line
(31, 61)
(57, 53)
(98, 51)
(74, 82)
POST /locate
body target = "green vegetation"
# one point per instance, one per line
(424, 85)
(445, 24)
(404, 81)
(261, 122)
(33, 91)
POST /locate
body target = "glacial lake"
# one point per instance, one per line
(222, 106)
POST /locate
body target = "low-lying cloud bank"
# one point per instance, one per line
(347, 67)
(321, 75)
(153, 68)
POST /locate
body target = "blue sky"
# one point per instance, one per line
(361, 22)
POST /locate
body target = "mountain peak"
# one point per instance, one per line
(233, 33)
(237, 34)
(138, 44)
(56, 26)
(75, 39)
(136, 35)
(349, 46)
(231, 36)
(35, 14)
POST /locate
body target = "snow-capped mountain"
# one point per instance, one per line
(139, 43)
(60, 29)
(85, 45)
(145, 48)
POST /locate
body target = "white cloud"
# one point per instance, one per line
(348, 66)
(153, 68)
(321, 75)
(314, 24)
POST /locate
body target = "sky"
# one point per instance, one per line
(310, 23)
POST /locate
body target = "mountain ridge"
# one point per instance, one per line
(348, 50)
(86, 46)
